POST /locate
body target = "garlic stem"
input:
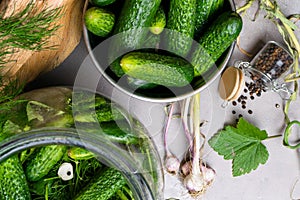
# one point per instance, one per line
(167, 151)
(172, 163)
(197, 142)
(184, 116)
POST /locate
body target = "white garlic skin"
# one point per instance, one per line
(65, 171)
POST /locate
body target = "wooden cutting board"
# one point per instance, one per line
(26, 65)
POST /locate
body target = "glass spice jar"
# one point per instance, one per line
(268, 68)
(273, 60)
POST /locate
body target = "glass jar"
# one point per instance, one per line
(268, 68)
(48, 113)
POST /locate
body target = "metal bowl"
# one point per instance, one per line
(97, 47)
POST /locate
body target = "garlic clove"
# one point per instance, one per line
(186, 168)
(194, 183)
(172, 164)
(65, 171)
(208, 174)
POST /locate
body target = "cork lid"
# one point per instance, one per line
(231, 83)
(240, 87)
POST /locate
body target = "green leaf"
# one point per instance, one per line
(247, 129)
(11, 128)
(242, 145)
(40, 111)
(249, 159)
(229, 142)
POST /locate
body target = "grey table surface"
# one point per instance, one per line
(274, 180)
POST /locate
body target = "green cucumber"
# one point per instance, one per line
(13, 183)
(78, 153)
(99, 21)
(215, 41)
(181, 26)
(135, 14)
(101, 2)
(205, 10)
(91, 108)
(159, 22)
(43, 160)
(108, 112)
(157, 68)
(133, 23)
(140, 84)
(115, 132)
(41, 187)
(104, 186)
(152, 41)
(116, 68)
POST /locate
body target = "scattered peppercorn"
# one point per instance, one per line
(250, 112)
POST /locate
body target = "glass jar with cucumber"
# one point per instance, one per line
(58, 143)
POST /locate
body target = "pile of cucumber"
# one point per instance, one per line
(33, 173)
(163, 43)
(36, 177)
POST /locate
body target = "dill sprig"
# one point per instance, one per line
(8, 102)
(23, 30)
(27, 29)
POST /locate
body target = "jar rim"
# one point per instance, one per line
(100, 146)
